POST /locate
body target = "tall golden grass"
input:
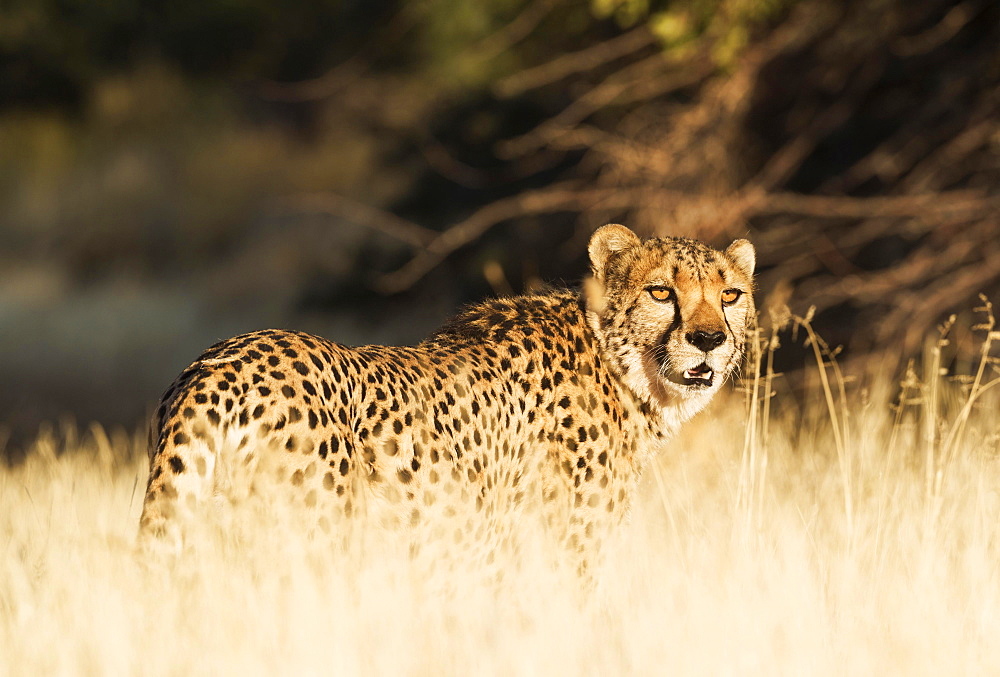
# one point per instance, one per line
(850, 530)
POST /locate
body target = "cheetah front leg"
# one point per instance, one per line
(576, 507)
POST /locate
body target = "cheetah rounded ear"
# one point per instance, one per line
(742, 253)
(608, 240)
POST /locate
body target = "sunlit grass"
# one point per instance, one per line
(861, 536)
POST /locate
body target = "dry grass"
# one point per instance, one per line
(850, 537)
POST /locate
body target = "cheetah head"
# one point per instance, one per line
(671, 314)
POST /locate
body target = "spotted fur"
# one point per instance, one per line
(552, 402)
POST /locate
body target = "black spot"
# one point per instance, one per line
(264, 391)
(300, 367)
(180, 438)
(344, 466)
(273, 360)
(214, 417)
(288, 391)
(201, 398)
(176, 464)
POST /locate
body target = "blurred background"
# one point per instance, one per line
(173, 173)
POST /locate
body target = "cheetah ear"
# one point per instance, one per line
(742, 254)
(608, 240)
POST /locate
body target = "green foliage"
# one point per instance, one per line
(726, 24)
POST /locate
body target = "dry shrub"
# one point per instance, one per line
(856, 143)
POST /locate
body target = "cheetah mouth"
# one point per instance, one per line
(699, 377)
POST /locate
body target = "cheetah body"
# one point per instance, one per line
(552, 402)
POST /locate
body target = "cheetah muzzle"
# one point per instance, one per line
(550, 404)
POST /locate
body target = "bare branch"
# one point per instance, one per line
(364, 215)
(955, 20)
(938, 204)
(640, 81)
(559, 198)
(517, 30)
(576, 62)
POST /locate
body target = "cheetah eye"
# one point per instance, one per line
(729, 296)
(660, 293)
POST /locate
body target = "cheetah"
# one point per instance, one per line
(552, 402)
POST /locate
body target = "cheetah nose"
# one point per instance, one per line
(703, 340)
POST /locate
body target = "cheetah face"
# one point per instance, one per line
(671, 313)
